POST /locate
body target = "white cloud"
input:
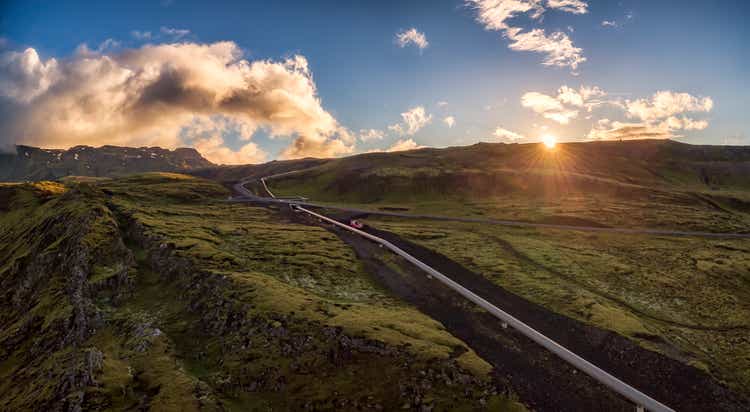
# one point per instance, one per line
(148, 95)
(106, 45)
(176, 34)
(493, 14)
(23, 76)
(557, 46)
(141, 35)
(570, 6)
(540, 102)
(411, 121)
(585, 96)
(667, 103)
(627, 131)
(404, 144)
(548, 107)
(450, 121)
(616, 23)
(412, 36)
(565, 106)
(370, 134)
(206, 134)
(684, 123)
(505, 134)
(660, 117)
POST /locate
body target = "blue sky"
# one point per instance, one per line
(365, 80)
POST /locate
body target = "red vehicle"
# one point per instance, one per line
(356, 224)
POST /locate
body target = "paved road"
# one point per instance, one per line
(250, 197)
(629, 392)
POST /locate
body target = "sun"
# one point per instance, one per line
(549, 141)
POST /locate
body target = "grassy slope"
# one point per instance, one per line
(644, 183)
(685, 297)
(226, 307)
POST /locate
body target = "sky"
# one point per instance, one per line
(247, 82)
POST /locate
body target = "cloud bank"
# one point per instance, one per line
(157, 94)
(660, 116)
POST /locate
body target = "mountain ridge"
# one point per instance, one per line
(34, 163)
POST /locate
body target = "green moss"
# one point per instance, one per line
(289, 276)
(686, 297)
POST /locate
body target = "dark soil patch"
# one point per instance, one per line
(543, 381)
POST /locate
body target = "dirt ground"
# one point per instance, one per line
(542, 381)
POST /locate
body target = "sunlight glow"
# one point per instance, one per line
(549, 141)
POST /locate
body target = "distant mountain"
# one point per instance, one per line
(33, 163)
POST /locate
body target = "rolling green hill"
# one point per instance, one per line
(488, 169)
(645, 183)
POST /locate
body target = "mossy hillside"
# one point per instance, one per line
(686, 297)
(204, 332)
(289, 261)
(271, 360)
(287, 277)
(51, 237)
